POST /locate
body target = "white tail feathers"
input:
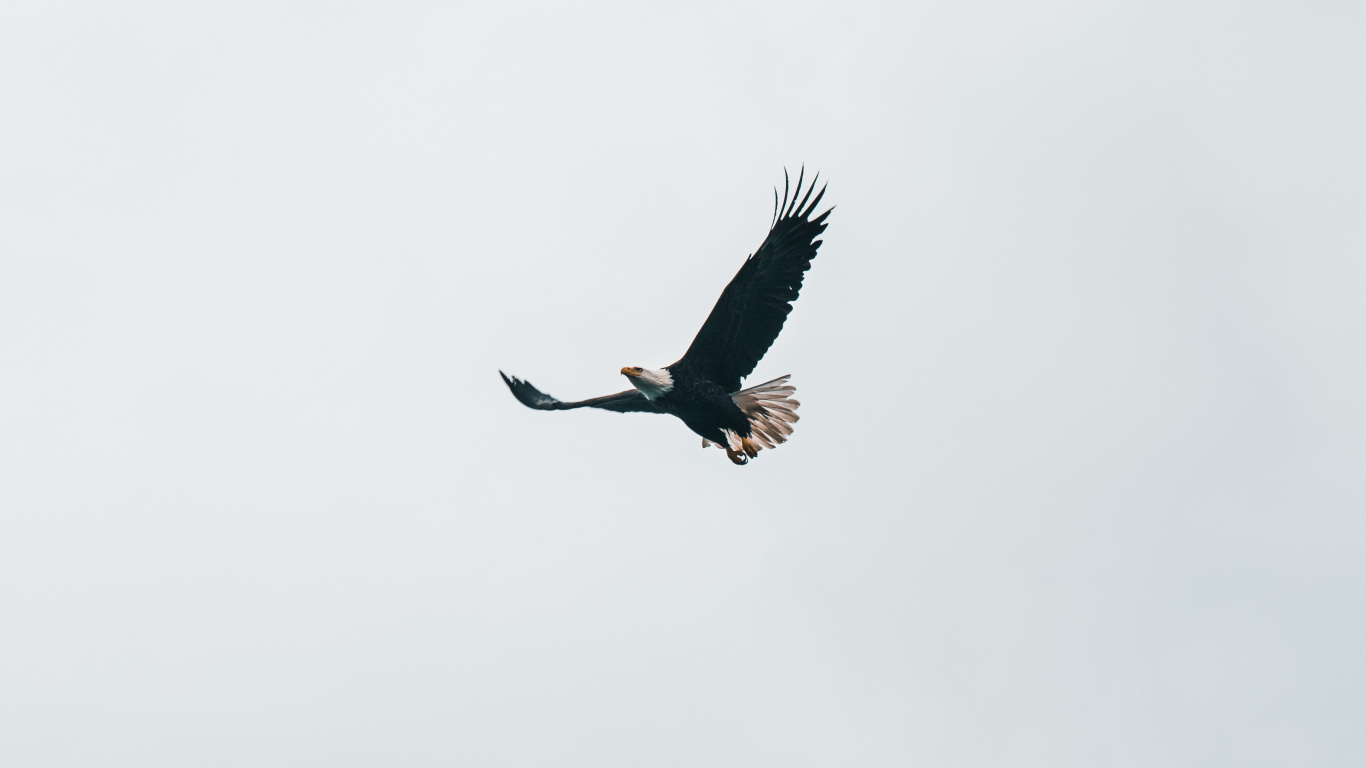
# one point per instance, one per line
(771, 412)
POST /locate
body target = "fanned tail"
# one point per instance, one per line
(771, 410)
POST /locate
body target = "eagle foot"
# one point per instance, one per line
(737, 457)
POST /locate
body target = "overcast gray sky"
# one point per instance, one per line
(1079, 477)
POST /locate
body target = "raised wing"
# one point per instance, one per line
(752, 309)
(622, 402)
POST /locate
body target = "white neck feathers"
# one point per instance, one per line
(653, 382)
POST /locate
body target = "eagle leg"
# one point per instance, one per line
(736, 457)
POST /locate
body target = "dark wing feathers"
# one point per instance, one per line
(752, 309)
(622, 402)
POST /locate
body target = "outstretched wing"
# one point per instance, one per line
(752, 309)
(622, 402)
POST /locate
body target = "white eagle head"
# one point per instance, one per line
(652, 382)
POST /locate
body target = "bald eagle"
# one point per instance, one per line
(703, 387)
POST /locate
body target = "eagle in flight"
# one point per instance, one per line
(703, 387)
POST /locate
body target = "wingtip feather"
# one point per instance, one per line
(800, 177)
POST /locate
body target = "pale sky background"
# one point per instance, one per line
(1081, 473)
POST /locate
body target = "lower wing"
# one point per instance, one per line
(630, 401)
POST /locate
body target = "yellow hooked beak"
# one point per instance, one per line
(629, 371)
